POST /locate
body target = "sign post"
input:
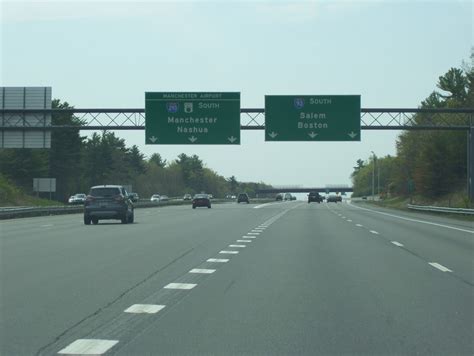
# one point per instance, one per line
(192, 118)
(312, 118)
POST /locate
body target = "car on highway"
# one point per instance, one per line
(106, 202)
(164, 198)
(155, 198)
(201, 200)
(287, 196)
(339, 198)
(314, 197)
(79, 198)
(134, 197)
(332, 199)
(279, 197)
(243, 198)
(187, 197)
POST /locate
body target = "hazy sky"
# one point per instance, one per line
(107, 54)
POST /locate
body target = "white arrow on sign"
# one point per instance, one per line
(273, 134)
(192, 139)
(232, 139)
(312, 134)
(153, 139)
(352, 134)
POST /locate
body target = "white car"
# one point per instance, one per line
(77, 199)
(155, 198)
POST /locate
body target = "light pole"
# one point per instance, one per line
(373, 177)
(378, 180)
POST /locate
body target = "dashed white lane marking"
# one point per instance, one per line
(237, 246)
(47, 225)
(349, 220)
(258, 230)
(374, 232)
(249, 237)
(359, 225)
(180, 286)
(218, 260)
(253, 233)
(88, 347)
(144, 308)
(397, 243)
(440, 267)
(202, 270)
(229, 252)
(415, 220)
(263, 205)
(343, 217)
(244, 240)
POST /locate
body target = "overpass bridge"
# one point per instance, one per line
(304, 190)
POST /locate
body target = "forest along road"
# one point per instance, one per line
(288, 278)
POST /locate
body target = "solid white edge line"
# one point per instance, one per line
(218, 260)
(180, 286)
(415, 220)
(202, 270)
(144, 308)
(397, 243)
(440, 267)
(88, 347)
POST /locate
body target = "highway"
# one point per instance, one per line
(277, 278)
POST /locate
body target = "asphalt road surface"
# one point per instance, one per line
(280, 278)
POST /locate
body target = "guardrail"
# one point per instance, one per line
(441, 209)
(22, 212)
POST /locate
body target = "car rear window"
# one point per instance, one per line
(104, 192)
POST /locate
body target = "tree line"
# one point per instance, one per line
(428, 163)
(79, 162)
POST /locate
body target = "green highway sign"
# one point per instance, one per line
(192, 118)
(312, 118)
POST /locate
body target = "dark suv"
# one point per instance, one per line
(106, 202)
(243, 198)
(314, 197)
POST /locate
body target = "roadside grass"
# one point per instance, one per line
(455, 200)
(11, 195)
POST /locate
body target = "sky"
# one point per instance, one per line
(107, 54)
